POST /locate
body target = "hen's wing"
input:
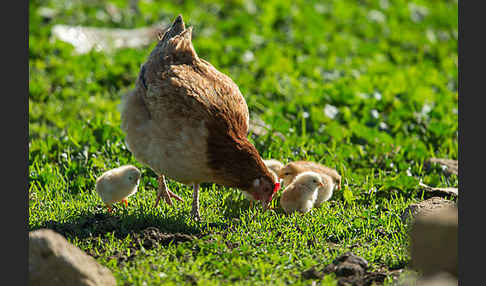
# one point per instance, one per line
(188, 86)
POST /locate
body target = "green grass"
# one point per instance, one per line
(388, 67)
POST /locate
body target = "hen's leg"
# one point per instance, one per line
(195, 203)
(163, 191)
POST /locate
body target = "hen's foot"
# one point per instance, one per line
(165, 193)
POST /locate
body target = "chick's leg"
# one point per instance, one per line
(163, 191)
(195, 203)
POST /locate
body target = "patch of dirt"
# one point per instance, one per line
(152, 236)
(349, 269)
(148, 238)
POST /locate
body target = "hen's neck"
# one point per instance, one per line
(234, 161)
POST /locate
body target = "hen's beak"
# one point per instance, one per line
(321, 184)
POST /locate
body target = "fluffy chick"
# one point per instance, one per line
(301, 194)
(118, 184)
(292, 169)
(273, 166)
(325, 191)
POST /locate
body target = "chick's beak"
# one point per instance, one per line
(321, 184)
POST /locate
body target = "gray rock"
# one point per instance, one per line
(54, 261)
(433, 242)
(425, 207)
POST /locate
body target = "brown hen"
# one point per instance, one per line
(189, 122)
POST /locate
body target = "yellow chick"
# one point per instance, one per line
(324, 192)
(289, 172)
(118, 184)
(301, 194)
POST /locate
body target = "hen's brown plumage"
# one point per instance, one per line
(188, 121)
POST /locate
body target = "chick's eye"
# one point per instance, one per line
(130, 178)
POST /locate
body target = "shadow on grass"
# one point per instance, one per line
(146, 231)
(234, 207)
(98, 223)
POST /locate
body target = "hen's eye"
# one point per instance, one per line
(130, 178)
(286, 174)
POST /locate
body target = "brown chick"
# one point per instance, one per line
(292, 169)
(273, 165)
(301, 194)
(116, 185)
(189, 122)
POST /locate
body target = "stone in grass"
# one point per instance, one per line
(54, 261)
(425, 207)
(433, 242)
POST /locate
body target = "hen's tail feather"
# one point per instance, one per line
(176, 28)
